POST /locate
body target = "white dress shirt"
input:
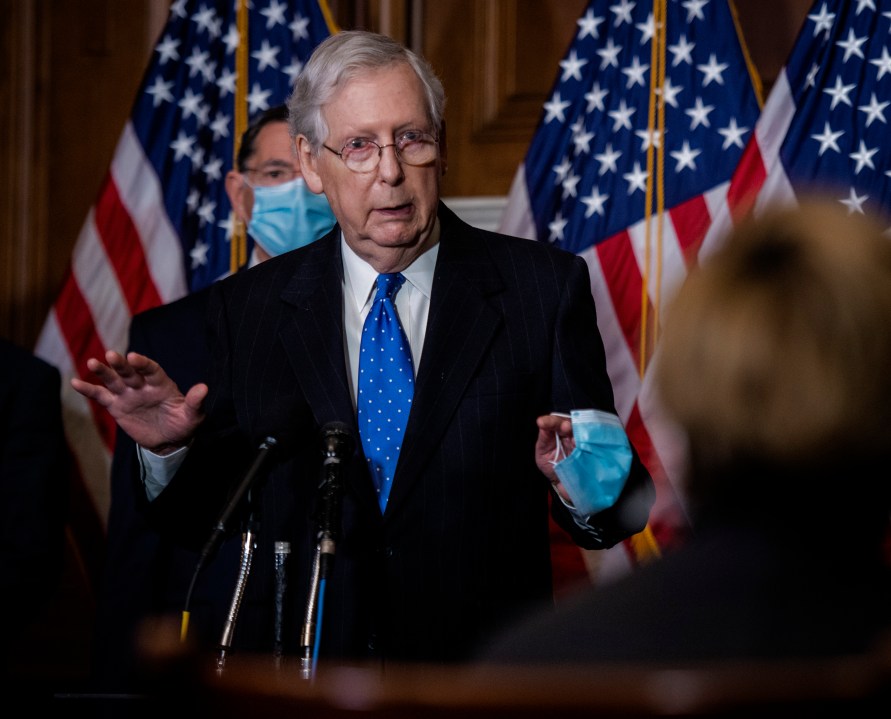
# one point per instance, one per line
(359, 278)
(412, 304)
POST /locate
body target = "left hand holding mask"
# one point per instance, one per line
(594, 474)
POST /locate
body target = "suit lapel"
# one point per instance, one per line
(312, 335)
(460, 328)
(312, 332)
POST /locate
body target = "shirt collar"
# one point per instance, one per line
(359, 276)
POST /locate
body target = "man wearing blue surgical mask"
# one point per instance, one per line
(268, 193)
(145, 575)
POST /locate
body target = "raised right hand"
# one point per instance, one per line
(144, 401)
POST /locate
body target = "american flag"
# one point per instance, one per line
(631, 162)
(824, 127)
(160, 226)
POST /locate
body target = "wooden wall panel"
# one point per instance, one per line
(23, 239)
(497, 60)
(769, 28)
(98, 52)
(70, 70)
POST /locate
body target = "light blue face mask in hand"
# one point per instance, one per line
(594, 474)
(285, 217)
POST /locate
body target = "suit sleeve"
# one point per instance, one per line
(580, 381)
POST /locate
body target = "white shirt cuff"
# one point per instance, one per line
(157, 470)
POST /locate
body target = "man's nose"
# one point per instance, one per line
(390, 167)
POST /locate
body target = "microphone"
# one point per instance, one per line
(337, 445)
(282, 550)
(255, 471)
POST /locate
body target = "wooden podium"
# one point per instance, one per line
(255, 687)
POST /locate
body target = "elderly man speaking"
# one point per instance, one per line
(437, 351)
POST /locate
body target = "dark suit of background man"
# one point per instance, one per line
(145, 574)
(35, 474)
(503, 332)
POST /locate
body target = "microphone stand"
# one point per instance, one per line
(253, 474)
(248, 545)
(338, 447)
(209, 550)
(309, 633)
(312, 621)
(282, 550)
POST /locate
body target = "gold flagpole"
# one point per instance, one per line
(238, 246)
(644, 543)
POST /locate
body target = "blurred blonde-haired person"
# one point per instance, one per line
(775, 365)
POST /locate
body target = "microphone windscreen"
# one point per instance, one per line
(337, 439)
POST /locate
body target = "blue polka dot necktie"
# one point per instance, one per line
(386, 385)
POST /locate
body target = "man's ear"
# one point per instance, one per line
(240, 196)
(309, 164)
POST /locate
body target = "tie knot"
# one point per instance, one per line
(388, 285)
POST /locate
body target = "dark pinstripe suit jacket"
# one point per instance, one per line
(145, 573)
(463, 544)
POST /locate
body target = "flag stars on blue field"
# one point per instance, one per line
(600, 105)
(572, 67)
(713, 71)
(184, 117)
(588, 25)
(266, 56)
(686, 157)
(884, 62)
(167, 50)
(274, 14)
(835, 79)
(694, 9)
(733, 134)
(874, 110)
(622, 11)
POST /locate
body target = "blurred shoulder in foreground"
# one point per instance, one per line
(773, 364)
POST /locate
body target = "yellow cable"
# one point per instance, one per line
(184, 627)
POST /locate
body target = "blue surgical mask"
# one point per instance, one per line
(288, 216)
(594, 474)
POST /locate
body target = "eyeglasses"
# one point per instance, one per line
(412, 148)
(271, 175)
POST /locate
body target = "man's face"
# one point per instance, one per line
(273, 162)
(387, 215)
